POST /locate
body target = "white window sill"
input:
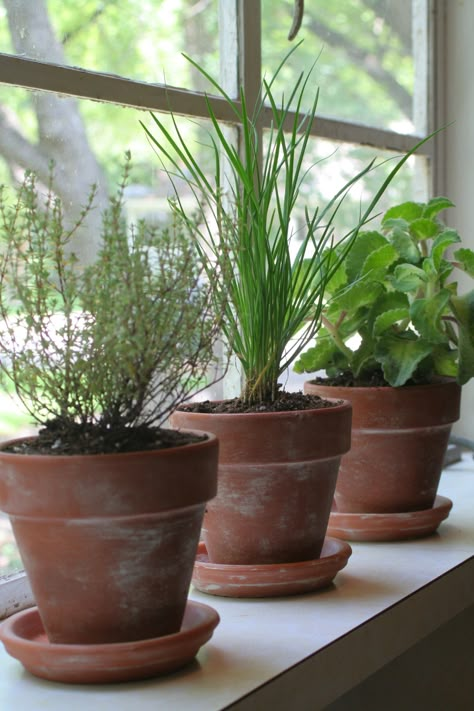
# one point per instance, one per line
(390, 596)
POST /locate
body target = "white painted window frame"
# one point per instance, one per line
(240, 36)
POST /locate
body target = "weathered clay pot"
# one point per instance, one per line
(399, 439)
(109, 541)
(277, 474)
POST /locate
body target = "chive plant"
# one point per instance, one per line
(275, 300)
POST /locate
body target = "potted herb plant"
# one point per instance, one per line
(106, 503)
(279, 451)
(398, 341)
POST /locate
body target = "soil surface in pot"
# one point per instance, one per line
(57, 439)
(374, 379)
(286, 402)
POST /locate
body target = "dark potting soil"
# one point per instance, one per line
(286, 402)
(56, 439)
(374, 379)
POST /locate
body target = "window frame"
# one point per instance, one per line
(245, 17)
(241, 64)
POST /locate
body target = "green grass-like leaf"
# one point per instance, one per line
(275, 304)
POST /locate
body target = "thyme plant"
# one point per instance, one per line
(275, 302)
(113, 347)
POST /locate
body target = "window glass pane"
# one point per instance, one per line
(139, 39)
(337, 163)
(371, 57)
(87, 141)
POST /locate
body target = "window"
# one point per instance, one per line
(75, 82)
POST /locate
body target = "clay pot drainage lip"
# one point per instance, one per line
(24, 638)
(272, 580)
(389, 526)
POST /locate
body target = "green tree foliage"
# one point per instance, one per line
(365, 70)
(366, 65)
(86, 139)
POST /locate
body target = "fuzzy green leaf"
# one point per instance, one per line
(359, 294)
(407, 277)
(430, 270)
(318, 357)
(426, 316)
(376, 264)
(445, 360)
(445, 269)
(395, 223)
(408, 211)
(362, 248)
(466, 258)
(435, 206)
(423, 228)
(405, 246)
(441, 243)
(400, 355)
(388, 319)
(351, 322)
(388, 300)
(463, 307)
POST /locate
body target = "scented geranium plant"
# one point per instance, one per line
(100, 355)
(248, 203)
(392, 312)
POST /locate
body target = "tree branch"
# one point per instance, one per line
(370, 61)
(15, 148)
(61, 130)
(68, 36)
(398, 17)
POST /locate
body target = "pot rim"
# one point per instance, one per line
(210, 441)
(339, 404)
(439, 382)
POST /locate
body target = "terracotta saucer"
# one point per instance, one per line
(270, 580)
(24, 638)
(389, 526)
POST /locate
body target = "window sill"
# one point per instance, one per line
(15, 594)
(302, 652)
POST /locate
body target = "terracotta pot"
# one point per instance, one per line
(399, 439)
(109, 541)
(277, 473)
